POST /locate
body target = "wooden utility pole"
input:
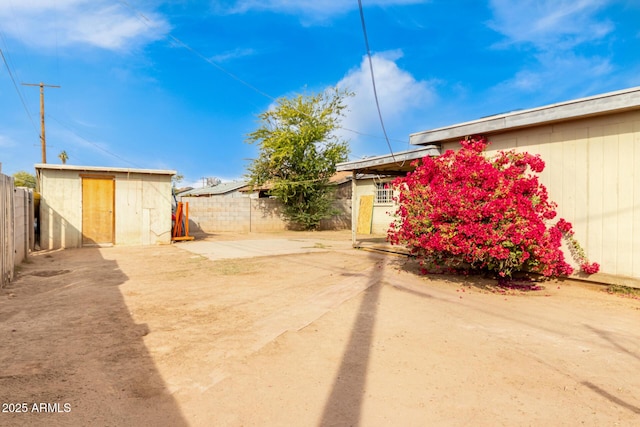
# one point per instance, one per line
(43, 139)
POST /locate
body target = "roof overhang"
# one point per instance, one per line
(101, 169)
(389, 164)
(623, 100)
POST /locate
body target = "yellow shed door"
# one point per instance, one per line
(97, 210)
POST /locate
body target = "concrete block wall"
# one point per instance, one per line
(266, 215)
(238, 214)
(215, 214)
(341, 221)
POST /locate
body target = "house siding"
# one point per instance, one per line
(382, 214)
(592, 173)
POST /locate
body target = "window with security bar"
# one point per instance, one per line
(384, 193)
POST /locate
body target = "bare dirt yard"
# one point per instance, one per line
(325, 336)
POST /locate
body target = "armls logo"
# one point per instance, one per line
(51, 407)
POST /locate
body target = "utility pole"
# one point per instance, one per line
(43, 139)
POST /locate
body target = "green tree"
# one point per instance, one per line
(24, 179)
(63, 156)
(299, 152)
(176, 179)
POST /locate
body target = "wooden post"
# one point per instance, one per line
(43, 139)
(180, 232)
(354, 218)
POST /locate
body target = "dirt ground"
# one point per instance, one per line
(338, 337)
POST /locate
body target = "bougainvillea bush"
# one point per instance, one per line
(463, 211)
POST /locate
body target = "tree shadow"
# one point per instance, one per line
(74, 344)
(344, 405)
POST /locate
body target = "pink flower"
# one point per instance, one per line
(590, 268)
(564, 226)
(463, 209)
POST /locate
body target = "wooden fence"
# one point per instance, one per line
(6, 229)
(16, 227)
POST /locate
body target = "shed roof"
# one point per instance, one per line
(389, 164)
(622, 100)
(103, 169)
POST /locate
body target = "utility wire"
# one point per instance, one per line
(184, 45)
(24, 104)
(219, 67)
(373, 136)
(373, 78)
(93, 143)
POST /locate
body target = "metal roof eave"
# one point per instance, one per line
(389, 164)
(623, 100)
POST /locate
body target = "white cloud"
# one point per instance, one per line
(233, 54)
(403, 101)
(101, 23)
(558, 73)
(554, 32)
(311, 10)
(549, 24)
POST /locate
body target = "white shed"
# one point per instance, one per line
(88, 206)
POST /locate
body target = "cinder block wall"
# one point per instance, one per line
(266, 215)
(219, 213)
(212, 214)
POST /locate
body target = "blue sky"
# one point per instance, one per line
(178, 84)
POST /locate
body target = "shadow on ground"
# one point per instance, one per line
(344, 405)
(71, 344)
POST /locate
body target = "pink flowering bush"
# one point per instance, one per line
(462, 211)
(576, 250)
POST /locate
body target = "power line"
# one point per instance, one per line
(184, 45)
(373, 79)
(30, 116)
(43, 138)
(93, 143)
(15, 85)
(373, 136)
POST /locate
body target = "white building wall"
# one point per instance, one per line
(60, 209)
(383, 213)
(593, 174)
(142, 208)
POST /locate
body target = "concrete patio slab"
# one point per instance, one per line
(219, 250)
